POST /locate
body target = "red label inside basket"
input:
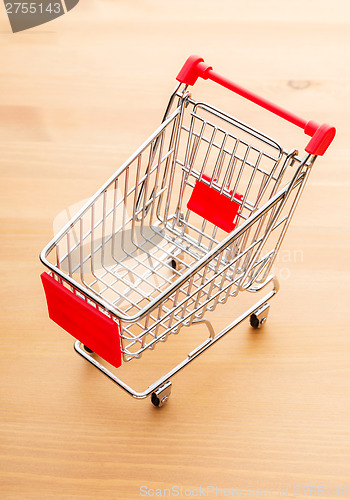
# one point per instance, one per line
(213, 206)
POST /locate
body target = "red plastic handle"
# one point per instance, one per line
(321, 135)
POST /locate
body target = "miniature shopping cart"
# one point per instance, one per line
(192, 219)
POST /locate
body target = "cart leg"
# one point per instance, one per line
(161, 395)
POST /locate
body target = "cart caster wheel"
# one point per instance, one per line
(173, 264)
(155, 400)
(254, 322)
(259, 317)
(87, 349)
(161, 395)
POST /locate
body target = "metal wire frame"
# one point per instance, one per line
(118, 250)
(162, 384)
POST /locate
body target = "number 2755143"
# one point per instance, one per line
(33, 8)
(320, 491)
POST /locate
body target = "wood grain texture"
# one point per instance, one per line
(259, 411)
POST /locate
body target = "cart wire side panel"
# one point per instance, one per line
(193, 218)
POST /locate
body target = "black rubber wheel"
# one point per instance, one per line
(173, 263)
(155, 400)
(254, 322)
(87, 349)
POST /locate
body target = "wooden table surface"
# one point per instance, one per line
(259, 413)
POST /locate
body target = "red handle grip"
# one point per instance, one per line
(321, 135)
